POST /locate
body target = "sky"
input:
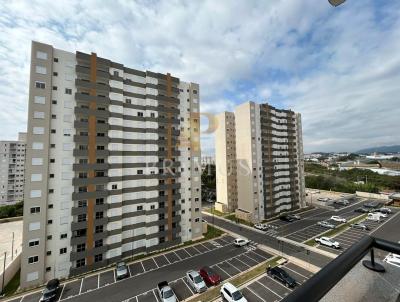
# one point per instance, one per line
(338, 67)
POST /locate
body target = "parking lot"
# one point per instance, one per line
(90, 283)
(250, 257)
(265, 288)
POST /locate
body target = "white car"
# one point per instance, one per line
(241, 241)
(259, 226)
(326, 224)
(374, 217)
(328, 242)
(231, 294)
(338, 219)
(393, 259)
(382, 215)
(196, 281)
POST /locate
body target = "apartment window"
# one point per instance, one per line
(40, 85)
(35, 210)
(33, 259)
(48, 269)
(161, 228)
(82, 189)
(100, 161)
(152, 114)
(83, 160)
(55, 73)
(33, 242)
(99, 229)
(81, 217)
(38, 130)
(83, 147)
(139, 172)
(114, 187)
(101, 134)
(99, 215)
(63, 250)
(82, 175)
(53, 131)
(39, 99)
(82, 203)
(55, 60)
(38, 114)
(80, 233)
(68, 91)
(98, 258)
(99, 201)
(54, 102)
(128, 101)
(140, 208)
(53, 116)
(196, 209)
(51, 191)
(54, 87)
(98, 243)
(100, 147)
(63, 236)
(48, 253)
(140, 113)
(80, 262)
(40, 69)
(52, 145)
(50, 221)
(50, 206)
(41, 55)
(51, 175)
(152, 207)
(80, 247)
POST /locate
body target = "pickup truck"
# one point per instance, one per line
(165, 292)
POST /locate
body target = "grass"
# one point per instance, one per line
(13, 285)
(233, 218)
(342, 227)
(213, 293)
(215, 212)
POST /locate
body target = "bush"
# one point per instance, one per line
(9, 211)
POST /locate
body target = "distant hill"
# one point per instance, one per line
(381, 149)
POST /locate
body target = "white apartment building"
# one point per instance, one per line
(112, 165)
(266, 151)
(12, 166)
(225, 159)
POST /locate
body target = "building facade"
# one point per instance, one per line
(12, 166)
(112, 165)
(270, 168)
(225, 159)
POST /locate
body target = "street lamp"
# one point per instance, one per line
(336, 2)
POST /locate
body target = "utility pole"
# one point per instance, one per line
(4, 272)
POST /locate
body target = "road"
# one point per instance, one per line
(272, 242)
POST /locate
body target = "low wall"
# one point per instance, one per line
(11, 269)
(372, 195)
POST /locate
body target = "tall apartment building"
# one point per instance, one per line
(225, 162)
(112, 165)
(12, 166)
(269, 152)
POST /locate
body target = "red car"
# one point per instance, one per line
(209, 276)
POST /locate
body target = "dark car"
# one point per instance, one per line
(50, 291)
(362, 210)
(286, 218)
(209, 276)
(372, 204)
(281, 275)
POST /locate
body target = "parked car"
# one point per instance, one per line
(323, 199)
(339, 219)
(385, 210)
(326, 224)
(259, 226)
(360, 226)
(231, 294)
(241, 242)
(286, 218)
(121, 271)
(196, 281)
(165, 292)
(209, 276)
(362, 210)
(50, 291)
(372, 204)
(382, 215)
(281, 275)
(393, 259)
(374, 217)
(328, 242)
(294, 216)
(343, 202)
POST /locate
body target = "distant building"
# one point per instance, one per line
(379, 156)
(225, 157)
(12, 168)
(207, 160)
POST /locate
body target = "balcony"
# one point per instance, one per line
(348, 279)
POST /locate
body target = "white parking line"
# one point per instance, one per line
(80, 288)
(237, 258)
(177, 256)
(62, 290)
(295, 272)
(247, 254)
(233, 266)
(155, 296)
(269, 289)
(22, 298)
(279, 283)
(155, 262)
(205, 247)
(196, 249)
(115, 278)
(223, 269)
(98, 279)
(187, 285)
(244, 254)
(190, 255)
(167, 259)
(141, 262)
(255, 294)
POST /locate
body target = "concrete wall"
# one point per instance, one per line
(372, 195)
(11, 269)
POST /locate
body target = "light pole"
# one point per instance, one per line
(4, 272)
(12, 247)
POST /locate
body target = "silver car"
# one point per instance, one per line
(196, 281)
(121, 270)
(326, 224)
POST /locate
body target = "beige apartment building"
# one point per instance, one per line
(112, 164)
(268, 161)
(225, 162)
